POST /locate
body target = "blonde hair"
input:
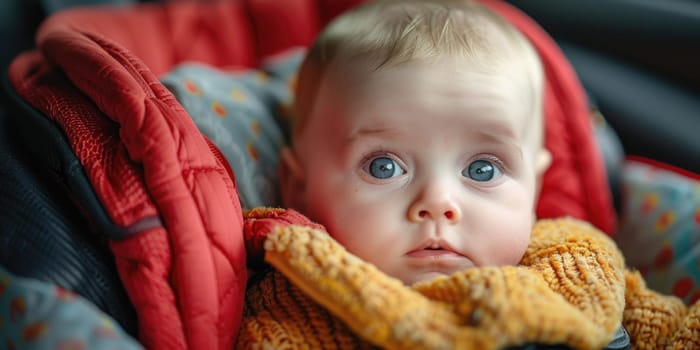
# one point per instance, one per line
(384, 33)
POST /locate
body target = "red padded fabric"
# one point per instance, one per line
(186, 277)
(162, 35)
(227, 34)
(95, 74)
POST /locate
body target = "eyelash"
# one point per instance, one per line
(379, 153)
(374, 155)
(491, 158)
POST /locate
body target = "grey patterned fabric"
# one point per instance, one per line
(245, 114)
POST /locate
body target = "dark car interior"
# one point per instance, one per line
(638, 60)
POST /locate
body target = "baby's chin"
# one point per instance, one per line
(425, 277)
(422, 272)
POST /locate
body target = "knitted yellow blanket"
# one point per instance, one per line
(571, 288)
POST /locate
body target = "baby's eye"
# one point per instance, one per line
(384, 168)
(481, 170)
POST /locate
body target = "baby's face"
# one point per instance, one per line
(421, 169)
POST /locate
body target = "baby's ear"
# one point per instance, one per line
(292, 180)
(542, 162)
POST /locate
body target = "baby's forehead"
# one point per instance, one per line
(443, 75)
(363, 90)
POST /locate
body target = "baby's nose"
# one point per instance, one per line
(435, 207)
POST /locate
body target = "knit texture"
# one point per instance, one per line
(570, 288)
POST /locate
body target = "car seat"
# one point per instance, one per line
(102, 145)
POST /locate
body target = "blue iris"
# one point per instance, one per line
(481, 170)
(384, 168)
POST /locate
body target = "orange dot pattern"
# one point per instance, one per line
(246, 114)
(659, 230)
(38, 315)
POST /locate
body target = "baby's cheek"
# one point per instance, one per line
(507, 238)
(362, 228)
(517, 244)
(349, 222)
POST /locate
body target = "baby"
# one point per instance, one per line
(418, 146)
(418, 141)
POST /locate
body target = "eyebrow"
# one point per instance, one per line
(369, 131)
(494, 132)
(502, 139)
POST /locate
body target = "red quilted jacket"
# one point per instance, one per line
(181, 254)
